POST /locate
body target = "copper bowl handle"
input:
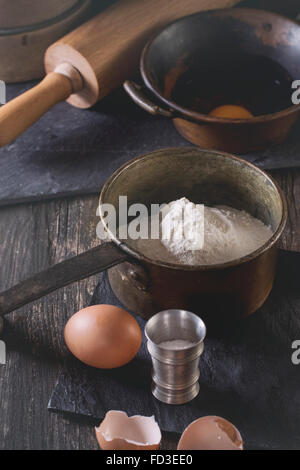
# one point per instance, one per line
(136, 93)
(73, 269)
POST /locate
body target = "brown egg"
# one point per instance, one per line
(211, 433)
(103, 336)
(120, 432)
(231, 112)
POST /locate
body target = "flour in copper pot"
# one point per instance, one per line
(229, 234)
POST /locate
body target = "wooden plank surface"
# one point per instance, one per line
(32, 237)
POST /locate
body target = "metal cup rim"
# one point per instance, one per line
(188, 349)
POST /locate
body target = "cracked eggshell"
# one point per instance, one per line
(121, 432)
(211, 433)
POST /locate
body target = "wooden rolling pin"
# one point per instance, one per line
(91, 61)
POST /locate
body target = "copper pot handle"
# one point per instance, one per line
(73, 269)
(136, 93)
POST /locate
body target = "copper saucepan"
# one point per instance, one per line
(236, 56)
(144, 286)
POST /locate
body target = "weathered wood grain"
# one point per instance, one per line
(289, 181)
(33, 237)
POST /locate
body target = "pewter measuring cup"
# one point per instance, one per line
(175, 372)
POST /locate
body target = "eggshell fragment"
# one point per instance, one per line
(103, 336)
(121, 432)
(211, 433)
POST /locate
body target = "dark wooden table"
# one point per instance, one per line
(33, 237)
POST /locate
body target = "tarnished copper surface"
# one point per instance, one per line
(217, 293)
(190, 42)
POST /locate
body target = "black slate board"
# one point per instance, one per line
(247, 375)
(71, 151)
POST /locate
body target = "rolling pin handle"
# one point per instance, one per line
(137, 94)
(72, 74)
(20, 113)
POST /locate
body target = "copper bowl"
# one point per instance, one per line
(234, 56)
(216, 292)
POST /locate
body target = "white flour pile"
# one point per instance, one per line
(228, 234)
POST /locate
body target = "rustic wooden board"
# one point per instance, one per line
(26, 33)
(32, 237)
